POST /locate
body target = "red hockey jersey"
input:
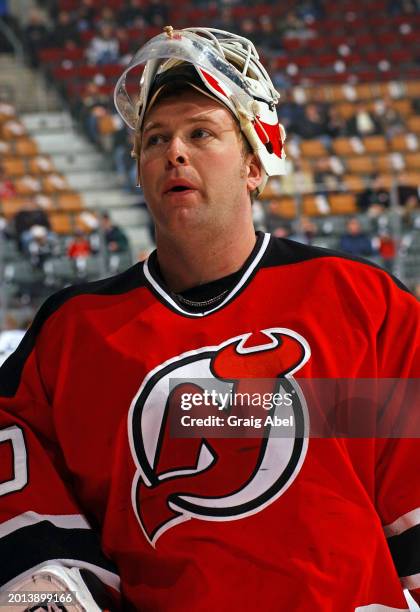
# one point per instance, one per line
(90, 474)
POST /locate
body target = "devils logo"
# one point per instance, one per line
(215, 479)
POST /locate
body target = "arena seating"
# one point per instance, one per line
(347, 53)
(33, 176)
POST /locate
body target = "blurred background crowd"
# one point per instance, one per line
(349, 76)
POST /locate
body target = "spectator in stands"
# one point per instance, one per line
(279, 77)
(65, 31)
(78, 250)
(7, 188)
(84, 15)
(402, 7)
(336, 125)
(124, 163)
(325, 178)
(408, 194)
(36, 35)
(107, 17)
(304, 232)
(92, 105)
(363, 122)
(388, 117)
(312, 124)
(29, 215)
(270, 36)
(310, 10)
(156, 13)
(375, 198)
(282, 231)
(42, 245)
(415, 105)
(131, 15)
(79, 246)
(289, 111)
(355, 241)
(301, 180)
(387, 250)
(115, 239)
(104, 47)
(291, 26)
(12, 23)
(411, 201)
(225, 19)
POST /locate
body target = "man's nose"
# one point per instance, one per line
(176, 152)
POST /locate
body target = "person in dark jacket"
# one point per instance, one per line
(355, 241)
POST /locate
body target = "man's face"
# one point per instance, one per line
(193, 167)
(353, 227)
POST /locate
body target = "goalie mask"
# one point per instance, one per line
(219, 64)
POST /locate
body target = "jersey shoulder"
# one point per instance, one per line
(11, 370)
(288, 252)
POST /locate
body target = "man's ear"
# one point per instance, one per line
(254, 173)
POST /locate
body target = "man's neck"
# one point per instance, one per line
(194, 261)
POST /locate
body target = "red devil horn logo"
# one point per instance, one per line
(213, 478)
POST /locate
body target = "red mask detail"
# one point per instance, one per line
(212, 81)
(273, 133)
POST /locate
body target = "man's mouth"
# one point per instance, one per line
(179, 188)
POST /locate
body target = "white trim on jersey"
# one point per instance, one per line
(404, 522)
(256, 260)
(64, 521)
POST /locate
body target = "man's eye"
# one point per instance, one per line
(200, 133)
(154, 139)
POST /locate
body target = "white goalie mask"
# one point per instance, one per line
(227, 68)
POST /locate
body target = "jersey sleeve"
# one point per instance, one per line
(398, 451)
(40, 520)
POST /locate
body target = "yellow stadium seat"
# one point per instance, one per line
(12, 129)
(26, 146)
(412, 161)
(70, 201)
(345, 109)
(337, 93)
(344, 146)
(342, 204)
(41, 164)
(27, 185)
(412, 89)
(403, 106)
(13, 166)
(387, 180)
(413, 124)
(366, 91)
(405, 142)
(375, 144)
(363, 164)
(283, 207)
(384, 163)
(61, 222)
(313, 148)
(53, 183)
(411, 179)
(10, 206)
(315, 206)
